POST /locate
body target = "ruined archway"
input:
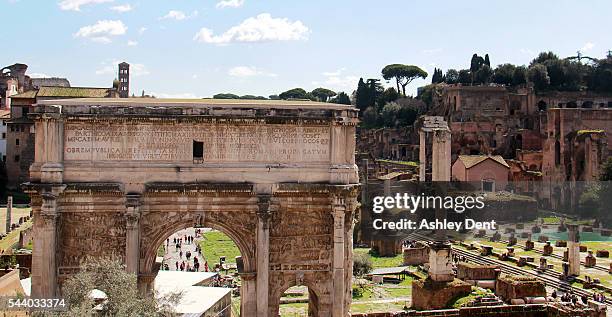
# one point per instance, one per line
(117, 177)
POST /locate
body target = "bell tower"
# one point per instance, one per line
(124, 80)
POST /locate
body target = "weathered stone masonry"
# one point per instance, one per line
(116, 178)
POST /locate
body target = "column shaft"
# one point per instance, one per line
(263, 255)
(338, 260)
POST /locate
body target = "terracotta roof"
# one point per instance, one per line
(30, 94)
(64, 92)
(471, 160)
(73, 92)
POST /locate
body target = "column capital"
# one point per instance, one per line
(48, 219)
(131, 220)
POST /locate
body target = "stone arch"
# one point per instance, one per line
(315, 304)
(149, 249)
(572, 104)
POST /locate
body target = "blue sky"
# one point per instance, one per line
(196, 48)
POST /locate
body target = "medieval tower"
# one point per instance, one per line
(124, 80)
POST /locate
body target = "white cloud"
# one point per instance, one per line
(75, 5)
(122, 8)
(178, 15)
(174, 14)
(587, 47)
(334, 73)
(142, 30)
(262, 28)
(229, 4)
(111, 67)
(102, 30)
(132, 43)
(248, 71)
(337, 80)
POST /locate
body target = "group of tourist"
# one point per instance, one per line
(187, 261)
(575, 300)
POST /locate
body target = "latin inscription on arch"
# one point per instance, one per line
(174, 142)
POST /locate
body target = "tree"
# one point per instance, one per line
(601, 77)
(390, 94)
(322, 94)
(375, 90)
(225, 96)
(274, 97)
(538, 75)
(487, 61)
(362, 96)
(370, 118)
(476, 63)
(503, 74)
(122, 297)
(519, 77)
(543, 57)
(452, 76)
(362, 264)
(464, 77)
(253, 97)
(342, 98)
(437, 76)
(403, 74)
(295, 93)
(483, 75)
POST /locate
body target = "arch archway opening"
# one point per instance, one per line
(299, 301)
(200, 262)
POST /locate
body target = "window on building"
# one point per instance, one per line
(12, 129)
(488, 185)
(16, 141)
(17, 158)
(3, 135)
(3, 122)
(198, 150)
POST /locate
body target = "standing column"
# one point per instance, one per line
(248, 294)
(573, 249)
(338, 260)
(132, 238)
(422, 155)
(9, 211)
(263, 255)
(45, 249)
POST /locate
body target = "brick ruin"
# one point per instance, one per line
(546, 138)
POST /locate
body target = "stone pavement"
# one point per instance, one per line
(173, 255)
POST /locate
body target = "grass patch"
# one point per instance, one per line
(377, 307)
(216, 244)
(13, 237)
(380, 261)
(463, 301)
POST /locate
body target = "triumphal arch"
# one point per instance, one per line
(116, 177)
